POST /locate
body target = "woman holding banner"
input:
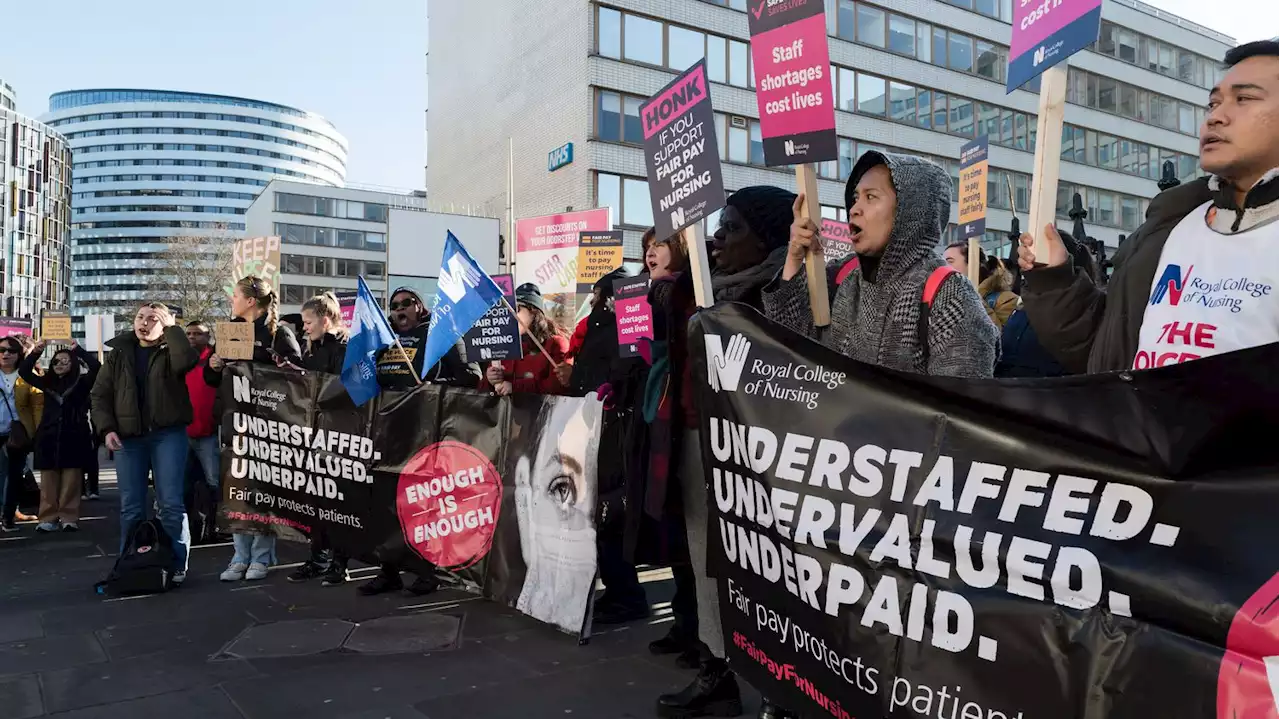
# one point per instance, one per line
(254, 300)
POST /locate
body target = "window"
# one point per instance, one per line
(871, 100)
(374, 269)
(1127, 45)
(684, 47)
(1187, 167)
(720, 124)
(636, 208)
(924, 107)
(717, 59)
(961, 116)
(922, 42)
(1130, 213)
(1186, 119)
(846, 157)
(939, 112)
(1129, 101)
(939, 47)
(961, 53)
(609, 116)
(989, 122)
(987, 7)
(642, 39)
(293, 264)
(845, 98)
(609, 194)
(845, 22)
(902, 103)
(632, 131)
(757, 144)
(870, 25)
(738, 73)
(902, 35)
(1107, 92)
(1108, 152)
(1020, 131)
(738, 140)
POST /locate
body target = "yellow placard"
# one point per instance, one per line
(599, 253)
(55, 325)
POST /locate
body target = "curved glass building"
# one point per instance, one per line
(150, 165)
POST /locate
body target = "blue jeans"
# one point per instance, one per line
(161, 453)
(210, 458)
(254, 549)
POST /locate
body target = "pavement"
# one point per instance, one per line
(263, 649)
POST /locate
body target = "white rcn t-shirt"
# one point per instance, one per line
(1213, 293)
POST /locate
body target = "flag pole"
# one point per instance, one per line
(404, 357)
(535, 339)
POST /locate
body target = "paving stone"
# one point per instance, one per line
(37, 655)
(20, 697)
(145, 676)
(197, 639)
(209, 703)
(290, 639)
(17, 626)
(415, 633)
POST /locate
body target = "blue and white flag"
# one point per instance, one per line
(370, 334)
(463, 294)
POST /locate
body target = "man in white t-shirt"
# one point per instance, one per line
(1199, 277)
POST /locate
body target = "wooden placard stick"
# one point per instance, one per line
(975, 253)
(1044, 178)
(816, 266)
(695, 242)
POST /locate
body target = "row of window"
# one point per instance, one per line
(202, 131)
(331, 266)
(189, 147)
(998, 9)
(297, 294)
(1147, 52)
(875, 27)
(330, 207)
(171, 178)
(162, 192)
(216, 209)
(329, 237)
(96, 117)
(78, 98)
(164, 162)
(180, 224)
(625, 36)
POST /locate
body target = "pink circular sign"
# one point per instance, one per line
(448, 499)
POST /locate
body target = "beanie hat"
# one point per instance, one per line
(406, 290)
(529, 295)
(605, 284)
(767, 211)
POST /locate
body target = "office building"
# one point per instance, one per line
(154, 164)
(330, 236)
(915, 76)
(35, 213)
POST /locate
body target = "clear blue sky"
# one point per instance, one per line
(360, 64)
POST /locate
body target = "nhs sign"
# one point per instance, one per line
(560, 157)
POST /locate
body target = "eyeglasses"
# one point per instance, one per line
(407, 304)
(8, 351)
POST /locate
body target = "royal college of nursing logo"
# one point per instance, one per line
(725, 364)
(1172, 283)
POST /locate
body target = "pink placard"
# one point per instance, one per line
(553, 232)
(793, 81)
(1035, 20)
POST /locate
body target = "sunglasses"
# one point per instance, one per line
(8, 351)
(407, 304)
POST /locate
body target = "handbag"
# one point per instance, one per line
(19, 439)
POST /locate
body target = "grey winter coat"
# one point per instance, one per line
(876, 321)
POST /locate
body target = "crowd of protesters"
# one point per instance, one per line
(900, 301)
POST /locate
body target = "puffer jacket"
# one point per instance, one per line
(114, 396)
(875, 311)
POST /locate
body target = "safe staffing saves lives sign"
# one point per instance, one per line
(681, 153)
(1047, 32)
(793, 84)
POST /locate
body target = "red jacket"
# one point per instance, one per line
(202, 399)
(578, 339)
(533, 373)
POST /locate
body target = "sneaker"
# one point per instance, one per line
(307, 572)
(23, 516)
(381, 584)
(256, 571)
(7, 527)
(70, 527)
(46, 527)
(334, 576)
(84, 496)
(178, 578)
(93, 495)
(233, 573)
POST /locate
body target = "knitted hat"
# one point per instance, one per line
(605, 284)
(767, 210)
(406, 290)
(529, 295)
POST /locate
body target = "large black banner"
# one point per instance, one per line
(500, 491)
(892, 545)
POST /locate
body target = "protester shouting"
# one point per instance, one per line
(254, 300)
(750, 248)
(23, 404)
(141, 407)
(326, 349)
(897, 308)
(1198, 277)
(63, 441)
(535, 372)
(399, 370)
(203, 430)
(995, 283)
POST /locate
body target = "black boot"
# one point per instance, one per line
(381, 584)
(425, 584)
(713, 693)
(673, 643)
(769, 710)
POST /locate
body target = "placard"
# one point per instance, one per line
(255, 257)
(234, 340)
(635, 315)
(599, 253)
(496, 335)
(547, 256)
(14, 326)
(98, 330)
(973, 188)
(55, 325)
(836, 242)
(793, 83)
(681, 153)
(347, 305)
(1046, 33)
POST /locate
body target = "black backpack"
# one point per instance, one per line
(146, 564)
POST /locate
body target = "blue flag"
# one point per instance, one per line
(370, 334)
(463, 294)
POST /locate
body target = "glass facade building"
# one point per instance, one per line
(154, 164)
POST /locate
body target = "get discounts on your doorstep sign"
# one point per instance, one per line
(793, 85)
(681, 154)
